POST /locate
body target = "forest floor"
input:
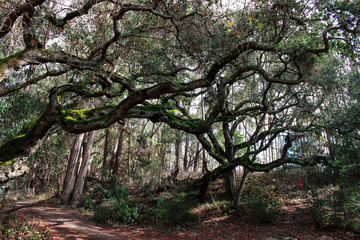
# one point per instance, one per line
(289, 222)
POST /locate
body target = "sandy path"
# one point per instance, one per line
(62, 222)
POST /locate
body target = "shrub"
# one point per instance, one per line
(338, 207)
(316, 207)
(116, 205)
(176, 210)
(263, 211)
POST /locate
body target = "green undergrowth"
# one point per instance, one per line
(263, 200)
(13, 227)
(115, 206)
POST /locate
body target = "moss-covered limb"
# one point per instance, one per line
(87, 114)
(10, 63)
(13, 169)
(137, 97)
(28, 139)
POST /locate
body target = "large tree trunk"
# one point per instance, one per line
(230, 184)
(104, 171)
(186, 152)
(70, 177)
(162, 150)
(203, 189)
(196, 157)
(177, 149)
(81, 177)
(116, 169)
(240, 188)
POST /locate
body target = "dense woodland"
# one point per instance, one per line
(105, 99)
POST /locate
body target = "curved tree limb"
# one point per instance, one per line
(27, 7)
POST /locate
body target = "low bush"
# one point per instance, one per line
(177, 209)
(337, 206)
(115, 206)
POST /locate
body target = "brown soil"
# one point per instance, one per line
(289, 223)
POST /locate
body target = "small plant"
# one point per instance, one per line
(12, 227)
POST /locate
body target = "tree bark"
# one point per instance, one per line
(230, 184)
(106, 153)
(196, 157)
(19, 168)
(162, 150)
(116, 169)
(70, 177)
(203, 190)
(240, 188)
(186, 152)
(81, 177)
(177, 149)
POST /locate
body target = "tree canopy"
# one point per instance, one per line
(254, 67)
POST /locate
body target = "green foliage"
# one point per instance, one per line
(262, 210)
(176, 210)
(316, 207)
(12, 227)
(262, 189)
(338, 206)
(116, 205)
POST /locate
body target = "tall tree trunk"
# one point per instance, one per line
(177, 149)
(105, 169)
(116, 169)
(196, 157)
(80, 180)
(129, 154)
(230, 184)
(186, 152)
(70, 177)
(240, 188)
(204, 163)
(203, 190)
(111, 163)
(162, 150)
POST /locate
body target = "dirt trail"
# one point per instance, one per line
(63, 223)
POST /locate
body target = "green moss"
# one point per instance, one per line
(7, 163)
(81, 113)
(153, 108)
(86, 115)
(10, 61)
(19, 136)
(193, 123)
(29, 125)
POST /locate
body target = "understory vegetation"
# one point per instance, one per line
(14, 227)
